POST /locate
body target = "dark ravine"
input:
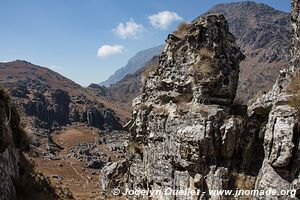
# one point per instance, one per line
(187, 133)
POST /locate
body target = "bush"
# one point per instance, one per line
(204, 68)
(182, 30)
(32, 185)
(150, 68)
(161, 110)
(4, 94)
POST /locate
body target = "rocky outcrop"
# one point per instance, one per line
(54, 109)
(60, 109)
(9, 152)
(188, 134)
(264, 35)
(184, 128)
(280, 168)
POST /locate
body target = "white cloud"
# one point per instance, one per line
(108, 50)
(162, 20)
(129, 30)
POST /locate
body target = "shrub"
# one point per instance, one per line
(204, 68)
(161, 110)
(182, 30)
(4, 94)
(152, 66)
(206, 54)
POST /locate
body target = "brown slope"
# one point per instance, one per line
(125, 90)
(14, 74)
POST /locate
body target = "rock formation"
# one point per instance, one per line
(264, 36)
(280, 169)
(9, 148)
(188, 134)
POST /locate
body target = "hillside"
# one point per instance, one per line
(125, 90)
(134, 64)
(66, 124)
(24, 79)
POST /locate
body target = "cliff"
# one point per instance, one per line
(18, 179)
(187, 133)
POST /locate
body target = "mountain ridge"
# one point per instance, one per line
(133, 64)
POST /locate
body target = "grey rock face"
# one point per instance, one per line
(54, 110)
(295, 30)
(186, 133)
(11, 146)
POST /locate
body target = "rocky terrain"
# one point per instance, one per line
(67, 125)
(187, 133)
(262, 33)
(49, 101)
(189, 128)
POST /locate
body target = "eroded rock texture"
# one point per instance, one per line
(186, 133)
(11, 145)
(281, 164)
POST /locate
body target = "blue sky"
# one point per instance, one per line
(67, 35)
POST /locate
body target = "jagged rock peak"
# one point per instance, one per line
(200, 62)
(181, 124)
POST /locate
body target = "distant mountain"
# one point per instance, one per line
(264, 36)
(134, 64)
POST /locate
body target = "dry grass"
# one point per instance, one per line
(205, 53)
(161, 110)
(204, 68)
(294, 88)
(150, 68)
(135, 148)
(182, 30)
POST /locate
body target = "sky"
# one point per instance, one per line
(88, 40)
